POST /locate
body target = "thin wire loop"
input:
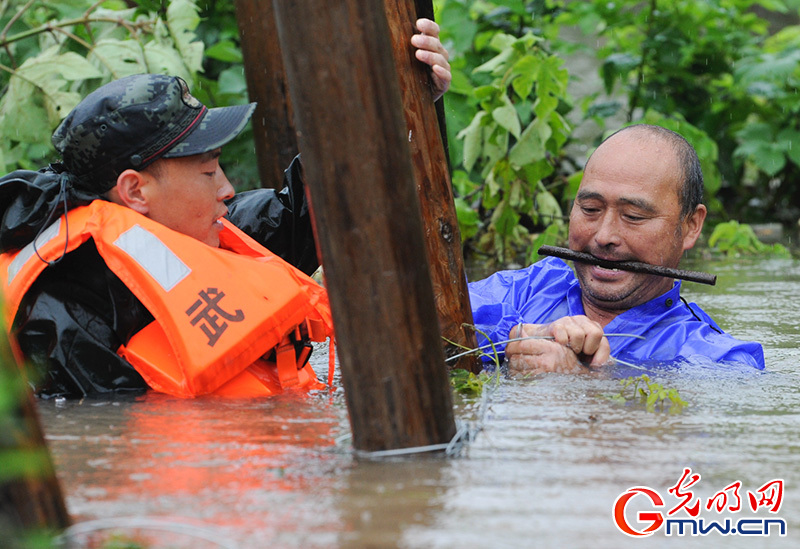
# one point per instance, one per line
(67, 539)
(62, 197)
(466, 432)
(513, 339)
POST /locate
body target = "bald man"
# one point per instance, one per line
(640, 199)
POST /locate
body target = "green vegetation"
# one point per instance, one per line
(720, 67)
(732, 238)
(715, 71)
(53, 54)
(17, 459)
(507, 128)
(467, 383)
(653, 395)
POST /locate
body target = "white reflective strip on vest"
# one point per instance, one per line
(29, 251)
(154, 256)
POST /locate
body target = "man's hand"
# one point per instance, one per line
(431, 51)
(576, 340)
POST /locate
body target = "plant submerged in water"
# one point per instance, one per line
(468, 383)
(650, 393)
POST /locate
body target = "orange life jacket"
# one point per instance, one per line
(231, 321)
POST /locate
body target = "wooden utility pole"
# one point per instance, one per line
(435, 190)
(348, 113)
(274, 132)
(273, 122)
(30, 495)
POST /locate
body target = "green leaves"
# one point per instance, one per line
(721, 71)
(652, 394)
(551, 236)
(98, 44)
(469, 384)
(37, 99)
(119, 57)
(531, 145)
(734, 239)
(459, 32)
(514, 136)
(759, 146)
(768, 151)
(616, 68)
(506, 116)
(777, 66)
(226, 51)
(789, 140)
(524, 73)
(182, 20)
(473, 140)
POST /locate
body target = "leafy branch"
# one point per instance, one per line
(465, 382)
(132, 27)
(44, 79)
(513, 143)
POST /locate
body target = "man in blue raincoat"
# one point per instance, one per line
(640, 200)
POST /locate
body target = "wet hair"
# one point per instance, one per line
(691, 192)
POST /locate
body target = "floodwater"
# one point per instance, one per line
(550, 455)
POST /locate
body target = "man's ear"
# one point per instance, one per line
(132, 191)
(693, 225)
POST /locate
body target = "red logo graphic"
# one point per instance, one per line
(728, 500)
(656, 518)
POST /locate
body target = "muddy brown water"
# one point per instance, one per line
(550, 457)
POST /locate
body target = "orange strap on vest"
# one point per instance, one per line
(287, 367)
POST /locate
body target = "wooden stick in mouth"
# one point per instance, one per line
(632, 266)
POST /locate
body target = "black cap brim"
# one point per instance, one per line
(219, 126)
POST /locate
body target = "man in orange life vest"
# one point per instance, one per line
(133, 265)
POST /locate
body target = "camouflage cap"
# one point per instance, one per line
(133, 121)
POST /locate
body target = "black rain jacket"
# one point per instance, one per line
(77, 313)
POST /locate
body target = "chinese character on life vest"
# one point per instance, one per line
(210, 314)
